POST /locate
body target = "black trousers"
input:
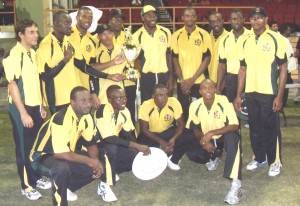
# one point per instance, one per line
(231, 86)
(265, 134)
(24, 139)
(66, 175)
(231, 142)
(130, 104)
(186, 99)
(147, 82)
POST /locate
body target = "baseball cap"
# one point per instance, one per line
(115, 13)
(146, 9)
(102, 28)
(258, 10)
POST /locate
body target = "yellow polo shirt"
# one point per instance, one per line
(262, 55)
(160, 120)
(154, 48)
(229, 50)
(190, 50)
(20, 66)
(50, 53)
(87, 44)
(214, 61)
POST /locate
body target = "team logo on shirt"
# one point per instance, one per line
(88, 48)
(266, 47)
(217, 114)
(167, 117)
(162, 38)
(197, 42)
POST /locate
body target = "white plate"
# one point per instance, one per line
(151, 166)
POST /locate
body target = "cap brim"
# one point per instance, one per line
(150, 166)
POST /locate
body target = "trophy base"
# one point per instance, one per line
(132, 74)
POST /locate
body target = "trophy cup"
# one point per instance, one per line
(131, 52)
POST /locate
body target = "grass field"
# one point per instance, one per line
(192, 185)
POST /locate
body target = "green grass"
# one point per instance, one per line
(192, 185)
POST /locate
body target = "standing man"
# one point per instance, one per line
(191, 55)
(229, 64)
(161, 120)
(117, 136)
(263, 60)
(59, 58)
(116, 20)
(85, 41)
(108, 59)
(216, 23)
(25, 104)
(54, 152)
(155, 57)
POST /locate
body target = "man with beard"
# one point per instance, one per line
(117, 137)
(216, 23)
(229, 64)
(155, 57)
(263, 73)
(54, 152)
(58, 58)
(191, 55)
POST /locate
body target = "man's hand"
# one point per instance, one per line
(238, 103)
(116, 77)
(43, 112)
(171, 144)
(164, 145)
(68, 53)
(95, 101)
(277, 104)
(119, 59)
(96, 166)
(27, 120)
(209, 147)
(144, 149)
(206, 138)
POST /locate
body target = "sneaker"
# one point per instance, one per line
(105, 192)
(234, 195)
(172, 165)
(117, 178)
(71, 196)
(212, 164)
(246, 126)
(275, 169)
(255, 165)
(33, 194)
(43, 184)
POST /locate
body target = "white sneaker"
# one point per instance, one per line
(255, 165)
(275, 169)
(33, 194)
(43, 184)
(71, 196)
(117, 178)
(212, 164)
(172, 165)
(234, 195)
(105, 192)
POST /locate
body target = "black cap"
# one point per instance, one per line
(258, 10)
(102, 28)
(115, 13)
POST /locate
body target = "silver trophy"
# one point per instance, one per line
(131, 52)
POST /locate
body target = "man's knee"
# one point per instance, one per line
(61, 169)
(111, 150)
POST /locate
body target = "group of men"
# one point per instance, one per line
(74, 147)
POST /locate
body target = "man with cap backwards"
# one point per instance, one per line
(155, 57)
(115, 20)
(263, 71)
(109, 60)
